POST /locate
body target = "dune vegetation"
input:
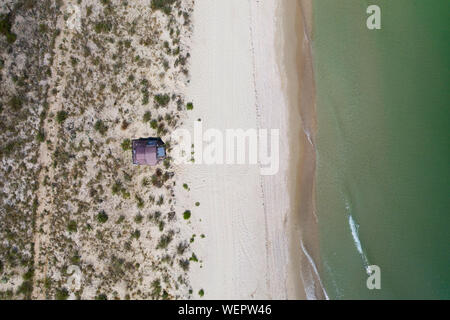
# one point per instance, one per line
(79, 79)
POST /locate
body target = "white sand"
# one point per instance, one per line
(236, 83)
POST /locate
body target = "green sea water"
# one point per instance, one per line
(383, 147)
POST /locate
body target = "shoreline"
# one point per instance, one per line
(299, 85)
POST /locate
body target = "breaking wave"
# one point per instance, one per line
(355, 234)
(308, 279)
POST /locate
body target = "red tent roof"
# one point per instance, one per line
(146, 155)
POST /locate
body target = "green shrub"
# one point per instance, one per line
(121, 219)
(163, 5)
(136, 234)
(164, 241)
(43, 28)
(61, 116)
(126, 145)
(103, 26)
(11, 37)
(5, 28)
(40, 136)
(61, 294)
(189, 106)
(72, 226)
(117, 187)
(47, 283)
(193, 258)
(102, 217)
(147, 116)
(187, 215)
(100, 127)
(184, 264)
(138, 218)
(26, 288)
(28, 275)
(166, 163)
(15, 103)
(125, 194)
(145, 96)
(154, 124)
(182, 246)
(160, 201)
(73, 61)
(8, 148)
(127, 176)
(75, 259)
(140, 202)
(156, 289)
(201, 292)
(162, 100)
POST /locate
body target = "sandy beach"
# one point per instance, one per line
(252, 246)
(301, 93)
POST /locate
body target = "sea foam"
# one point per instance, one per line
(354, 228)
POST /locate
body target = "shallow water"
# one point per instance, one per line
(383, 147)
